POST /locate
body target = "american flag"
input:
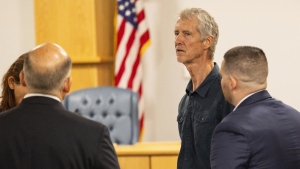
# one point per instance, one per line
(132, 40)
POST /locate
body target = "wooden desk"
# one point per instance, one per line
(146, 155)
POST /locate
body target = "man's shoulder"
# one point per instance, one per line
(52, 111)
(81, 120)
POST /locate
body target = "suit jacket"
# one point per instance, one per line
(262, 133)
(41, 134)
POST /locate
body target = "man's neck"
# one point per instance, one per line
(244, 97)
(199, 71)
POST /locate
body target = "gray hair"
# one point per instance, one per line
(206, 25)
(46, 79)
(248, 63)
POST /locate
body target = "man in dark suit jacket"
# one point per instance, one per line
(40, 133)
(261, 132)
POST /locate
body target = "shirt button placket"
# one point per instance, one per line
(188, 129)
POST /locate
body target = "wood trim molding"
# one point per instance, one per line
(92, 60)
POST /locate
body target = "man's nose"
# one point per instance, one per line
(178, 39)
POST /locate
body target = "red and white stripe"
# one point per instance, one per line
(131, 45)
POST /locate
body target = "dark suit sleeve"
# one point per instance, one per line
(229, 147)
(106, 157)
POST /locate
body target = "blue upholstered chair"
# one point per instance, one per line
(117, 108)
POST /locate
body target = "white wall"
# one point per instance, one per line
(16, 31)
(272, 25)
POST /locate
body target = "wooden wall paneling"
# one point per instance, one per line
(159, 155)
(71, 24)
(105, 32)
(134, 162)
(105, 73)
(164, 162)
(84, 76)
(85, 29)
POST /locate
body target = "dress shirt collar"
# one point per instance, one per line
(205, 85)
(42, 95)
(245, 99)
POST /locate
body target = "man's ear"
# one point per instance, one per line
(67, 85)
(208, 42)
(233, 83)
(11, 82)
(22, 78)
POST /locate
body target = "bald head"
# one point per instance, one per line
(47, 56)
(46, 68)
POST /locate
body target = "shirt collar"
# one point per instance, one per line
(42, 95)
(245, 99)
(205, 85)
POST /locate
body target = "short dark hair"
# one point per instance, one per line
(248, 63)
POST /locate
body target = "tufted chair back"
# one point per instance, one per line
(117, 108)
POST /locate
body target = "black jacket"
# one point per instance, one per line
(41, 134)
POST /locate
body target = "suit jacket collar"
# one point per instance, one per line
(40, 100)
(44, 95)
(262, 95)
